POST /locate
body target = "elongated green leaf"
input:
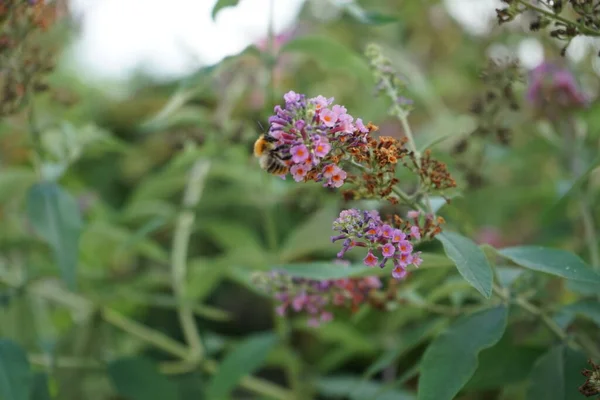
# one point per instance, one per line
(313, 235)
(368, 17)
(551, 211)
(323, 271)
(407, 340)
(40, 389)
(451, 359)
(556, 376)
(15, 375)
(502, 365)
(330, 54)
(137, 378)
(353, 388)
(584, 288)
(337, 271)
(221, 4)
(342, 334)
(588, 308)
(552, 261)
(470, 261)
(246, 358)
(54, 215)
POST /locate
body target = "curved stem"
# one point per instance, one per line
(532, 309)
(583, 29)
(179, 256)
(401, 193)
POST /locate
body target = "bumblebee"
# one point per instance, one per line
(272, 158)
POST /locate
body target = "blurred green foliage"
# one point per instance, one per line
(101, 201)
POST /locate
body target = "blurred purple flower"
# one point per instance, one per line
(552, 87)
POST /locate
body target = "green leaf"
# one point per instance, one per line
(556, 376)
(342, 334)
(243, 360)
(550, 212)
(353, 388)
(136, 378)
(221, 4)
(502, 365)
(583, 288)
(588, 308)
(15, 374)
(451, 359)
(508, 275)
(40, 387)
(552, 261)
(368, 17)
(311, 236)
(54, 215)
(470, 261)
(330, 54)
(323, 271)
(408, 339)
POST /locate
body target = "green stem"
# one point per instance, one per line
(401, 193)
(141, 332)
(573, 148)
(146, 334)
(257, 385)
(36, 137)
(292, 364)
(179, 256)
(539, 313)
(402, 116)
(583, 29)
(589, 231)
(271, 59)
(44, 360)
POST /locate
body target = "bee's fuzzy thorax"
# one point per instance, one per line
(261, 146)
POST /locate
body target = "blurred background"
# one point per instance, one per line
(140, 91)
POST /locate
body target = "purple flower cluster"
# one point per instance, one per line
(312, 128)
(315, 297)
(550, 84)
(366, 229)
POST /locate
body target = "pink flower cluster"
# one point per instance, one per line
(551, 85)
(312, 129)
(366, 229)
(316, 298)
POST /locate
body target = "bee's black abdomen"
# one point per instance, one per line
(276, 167)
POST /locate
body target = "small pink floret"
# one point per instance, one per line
(360, 126)
(299, 154)
(329, 170)
(319, 102)
(339, 110)
(405, 247)
(291, 96)
(398, 235)
(415, 232)
(322, 148)
(399, 272)
(387, 231)
(299, 171)
(413, 214)
(388, 250)
(338, 178)
(328, 117)
(370, 260)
